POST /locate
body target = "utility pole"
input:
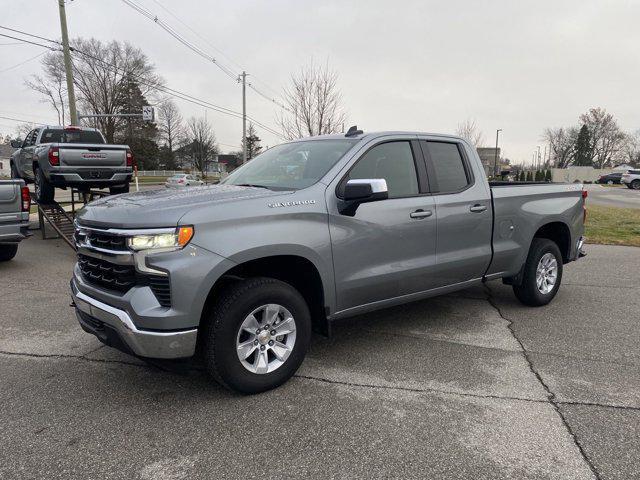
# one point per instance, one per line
(243, 76)
(538, 167)
(67, 64)
(495, 163)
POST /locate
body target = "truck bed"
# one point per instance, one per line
(520, 209)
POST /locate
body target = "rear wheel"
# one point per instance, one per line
(542, 274)
(14, 171)
(45, 192)
(635, 185)
(7, 252)
(119, 189)
(257, 335)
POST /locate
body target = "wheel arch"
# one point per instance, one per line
(296, 270)
(559, 233)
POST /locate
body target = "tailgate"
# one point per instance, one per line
(10, 201)
(92, 155)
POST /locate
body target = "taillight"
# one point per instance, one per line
(585, 194)
(26, 199)
(54, 156)
(129, 158)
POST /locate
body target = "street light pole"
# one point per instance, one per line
(67, 64)
(495, 163)
(243, 75)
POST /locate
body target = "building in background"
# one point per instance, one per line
(5, 156)
(488, 157)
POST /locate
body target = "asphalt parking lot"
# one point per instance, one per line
(613, 196)
(471, 385)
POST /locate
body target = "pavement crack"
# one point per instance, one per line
(418, 390)
(551, 396)
(67, 356)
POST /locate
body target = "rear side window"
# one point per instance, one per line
(392, 161)
(634, 172)
(71, 136)
(450, 171)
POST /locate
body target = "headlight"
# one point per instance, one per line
(162, 241)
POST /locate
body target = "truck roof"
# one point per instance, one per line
(67, 127)
(368, 135)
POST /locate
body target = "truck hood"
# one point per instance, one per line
(161, 208)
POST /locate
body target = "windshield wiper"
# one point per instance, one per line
(252, 185)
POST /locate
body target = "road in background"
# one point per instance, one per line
(615, 196)
(470, 385)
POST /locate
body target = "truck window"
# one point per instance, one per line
(392, 161)
(450, 171)
(70, 136)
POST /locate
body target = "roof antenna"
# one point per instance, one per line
(353, 131)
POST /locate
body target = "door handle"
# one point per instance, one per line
(421, 213)
(477, 208)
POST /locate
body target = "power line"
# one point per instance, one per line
(161, 88)
(27, 41)
(150, 15)
(22, 63)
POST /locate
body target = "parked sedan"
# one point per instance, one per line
(610, 178)
(183, 180)
(632, 179)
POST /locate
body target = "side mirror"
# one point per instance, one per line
(16, 143)
(359, 191)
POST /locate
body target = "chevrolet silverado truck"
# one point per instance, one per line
(239, 274)
(15, 202)
(70, 157)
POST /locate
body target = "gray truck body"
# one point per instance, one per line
(389, 252)
(14, 222)
(81, 165)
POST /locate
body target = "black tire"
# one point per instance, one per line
(14, 171)
(7, 252)
(528, 292)
(635, 185)
(119, 189)
(220, 333)
(45, 192)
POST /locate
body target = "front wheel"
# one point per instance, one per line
(257, 335)
(542, 274)
(635, 185)
(7, 252)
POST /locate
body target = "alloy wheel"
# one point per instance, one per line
(546, 273)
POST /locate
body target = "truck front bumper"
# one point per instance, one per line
(115, 328)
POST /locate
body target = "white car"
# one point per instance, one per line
(183, 180)
(631, 179)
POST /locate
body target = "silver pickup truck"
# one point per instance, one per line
(15, 202)
(306, 233)
(78, 157)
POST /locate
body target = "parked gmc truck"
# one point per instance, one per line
(15, 202)
(309, 232)
(70, 157)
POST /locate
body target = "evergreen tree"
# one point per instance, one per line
(529, 176)
(253, 142)
(583, 148)
(547, 175)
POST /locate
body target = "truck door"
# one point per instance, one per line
(27, 153)
(387, 248)
(463, 202)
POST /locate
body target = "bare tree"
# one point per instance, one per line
(314, 103)
(52, 86)
(630, 151)
(562, 144)
(23, 129)
(200, 143)
(170, 125)
(606, 137)
(103, 73)
(470, 132)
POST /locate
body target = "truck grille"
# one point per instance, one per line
(106, 274)
(121, 278)
(98, 239)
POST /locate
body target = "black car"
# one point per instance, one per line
(610, 178)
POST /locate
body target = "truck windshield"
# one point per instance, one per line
(71, 136)
(291, 166)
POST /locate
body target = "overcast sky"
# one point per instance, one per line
(421, 65)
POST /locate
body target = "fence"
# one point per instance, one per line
(170, 173)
